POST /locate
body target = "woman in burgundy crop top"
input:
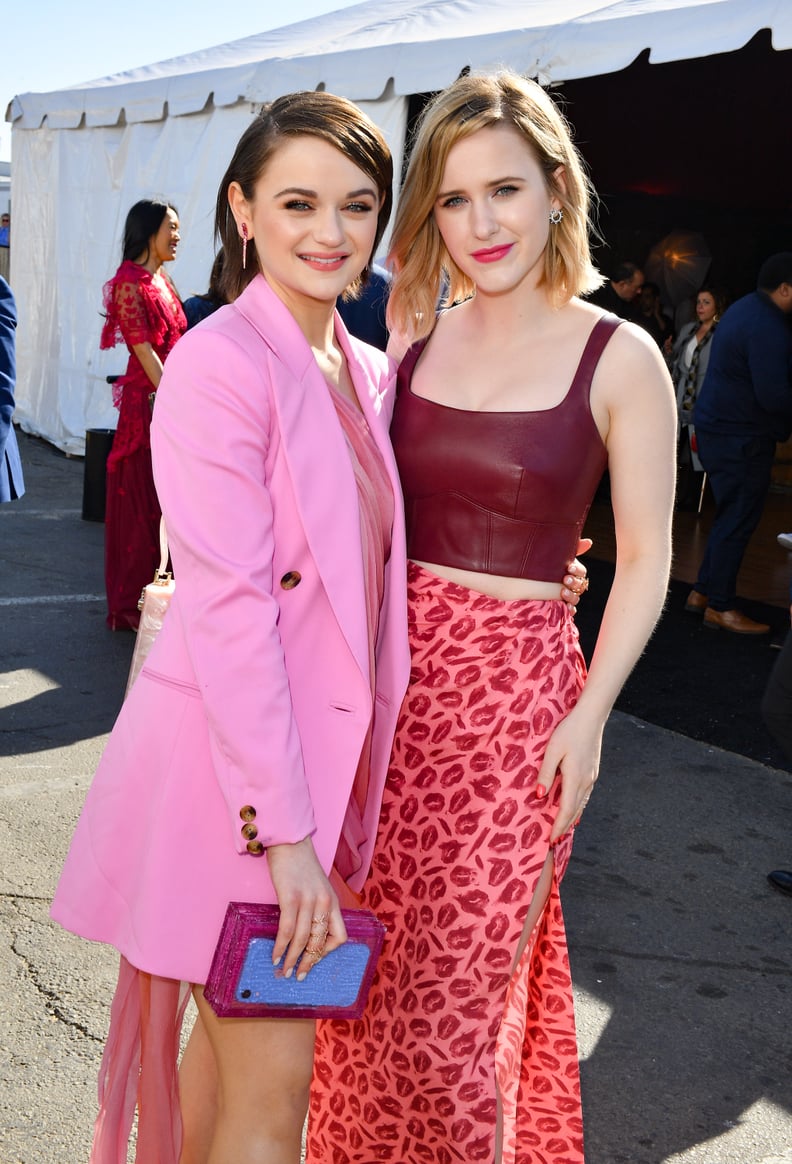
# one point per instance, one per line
(510, 404)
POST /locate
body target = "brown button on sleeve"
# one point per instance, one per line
(248, 812)
(249, 832)
(291, 579)
(255, 847)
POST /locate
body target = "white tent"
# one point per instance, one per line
(83, 155)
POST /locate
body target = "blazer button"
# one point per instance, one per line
(248, 812)
(255, 847)
(291, 579)
(249, 832)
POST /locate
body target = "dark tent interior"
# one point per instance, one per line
(701, 145)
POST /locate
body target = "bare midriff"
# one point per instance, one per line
(496, 585)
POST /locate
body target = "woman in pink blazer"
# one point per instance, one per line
(249, 759)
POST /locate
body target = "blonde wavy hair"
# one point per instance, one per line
(425, 276)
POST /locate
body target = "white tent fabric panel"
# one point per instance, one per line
(420, 45)
(98, 175)
(85, 181)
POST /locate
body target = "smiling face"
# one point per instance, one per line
(163, 244)
(493, 209)
(313, 216)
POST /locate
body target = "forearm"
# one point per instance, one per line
(633, 608)
(149, 362)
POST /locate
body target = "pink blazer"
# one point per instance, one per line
(257, 693)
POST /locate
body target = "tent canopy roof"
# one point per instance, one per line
(418, 46)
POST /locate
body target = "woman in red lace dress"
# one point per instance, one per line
(143, 311)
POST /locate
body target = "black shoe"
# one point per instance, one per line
(781, 879)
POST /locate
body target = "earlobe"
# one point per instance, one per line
(238, 205)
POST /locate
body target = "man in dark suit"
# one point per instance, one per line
(12, 484)
(620, 294)
(743, 409)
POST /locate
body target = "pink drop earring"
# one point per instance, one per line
(244, 245)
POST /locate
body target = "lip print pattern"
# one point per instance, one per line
(450, 1024)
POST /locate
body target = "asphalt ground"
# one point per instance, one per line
(681, 952)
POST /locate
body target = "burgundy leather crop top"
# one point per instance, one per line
(499, 492)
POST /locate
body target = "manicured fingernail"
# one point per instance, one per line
(302, 976)
(289, 972)
(540, 790)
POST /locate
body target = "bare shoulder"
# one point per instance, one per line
(631, 362)
(633, 346)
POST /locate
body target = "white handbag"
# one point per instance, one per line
(153, 606)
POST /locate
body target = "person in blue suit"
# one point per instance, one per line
(12, 484)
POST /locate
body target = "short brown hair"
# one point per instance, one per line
(311, 114)
(423, 268)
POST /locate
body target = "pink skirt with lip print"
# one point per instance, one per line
(454, 1030)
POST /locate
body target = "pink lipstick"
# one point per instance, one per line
(492, 254)
(324, 262)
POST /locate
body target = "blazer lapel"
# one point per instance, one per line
(318, 459)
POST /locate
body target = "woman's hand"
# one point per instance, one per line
(149, 361)
(311, 924)
(576, 581)
(573, 756)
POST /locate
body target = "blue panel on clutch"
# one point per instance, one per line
(335, 981)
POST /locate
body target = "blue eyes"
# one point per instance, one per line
(459, 199)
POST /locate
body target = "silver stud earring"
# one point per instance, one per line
(556, 215)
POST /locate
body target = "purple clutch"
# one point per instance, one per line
(243, 983)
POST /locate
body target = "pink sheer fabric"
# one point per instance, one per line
(139, 1069)
(376, 523)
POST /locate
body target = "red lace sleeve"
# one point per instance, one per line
(126, 318)
(130, 312)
